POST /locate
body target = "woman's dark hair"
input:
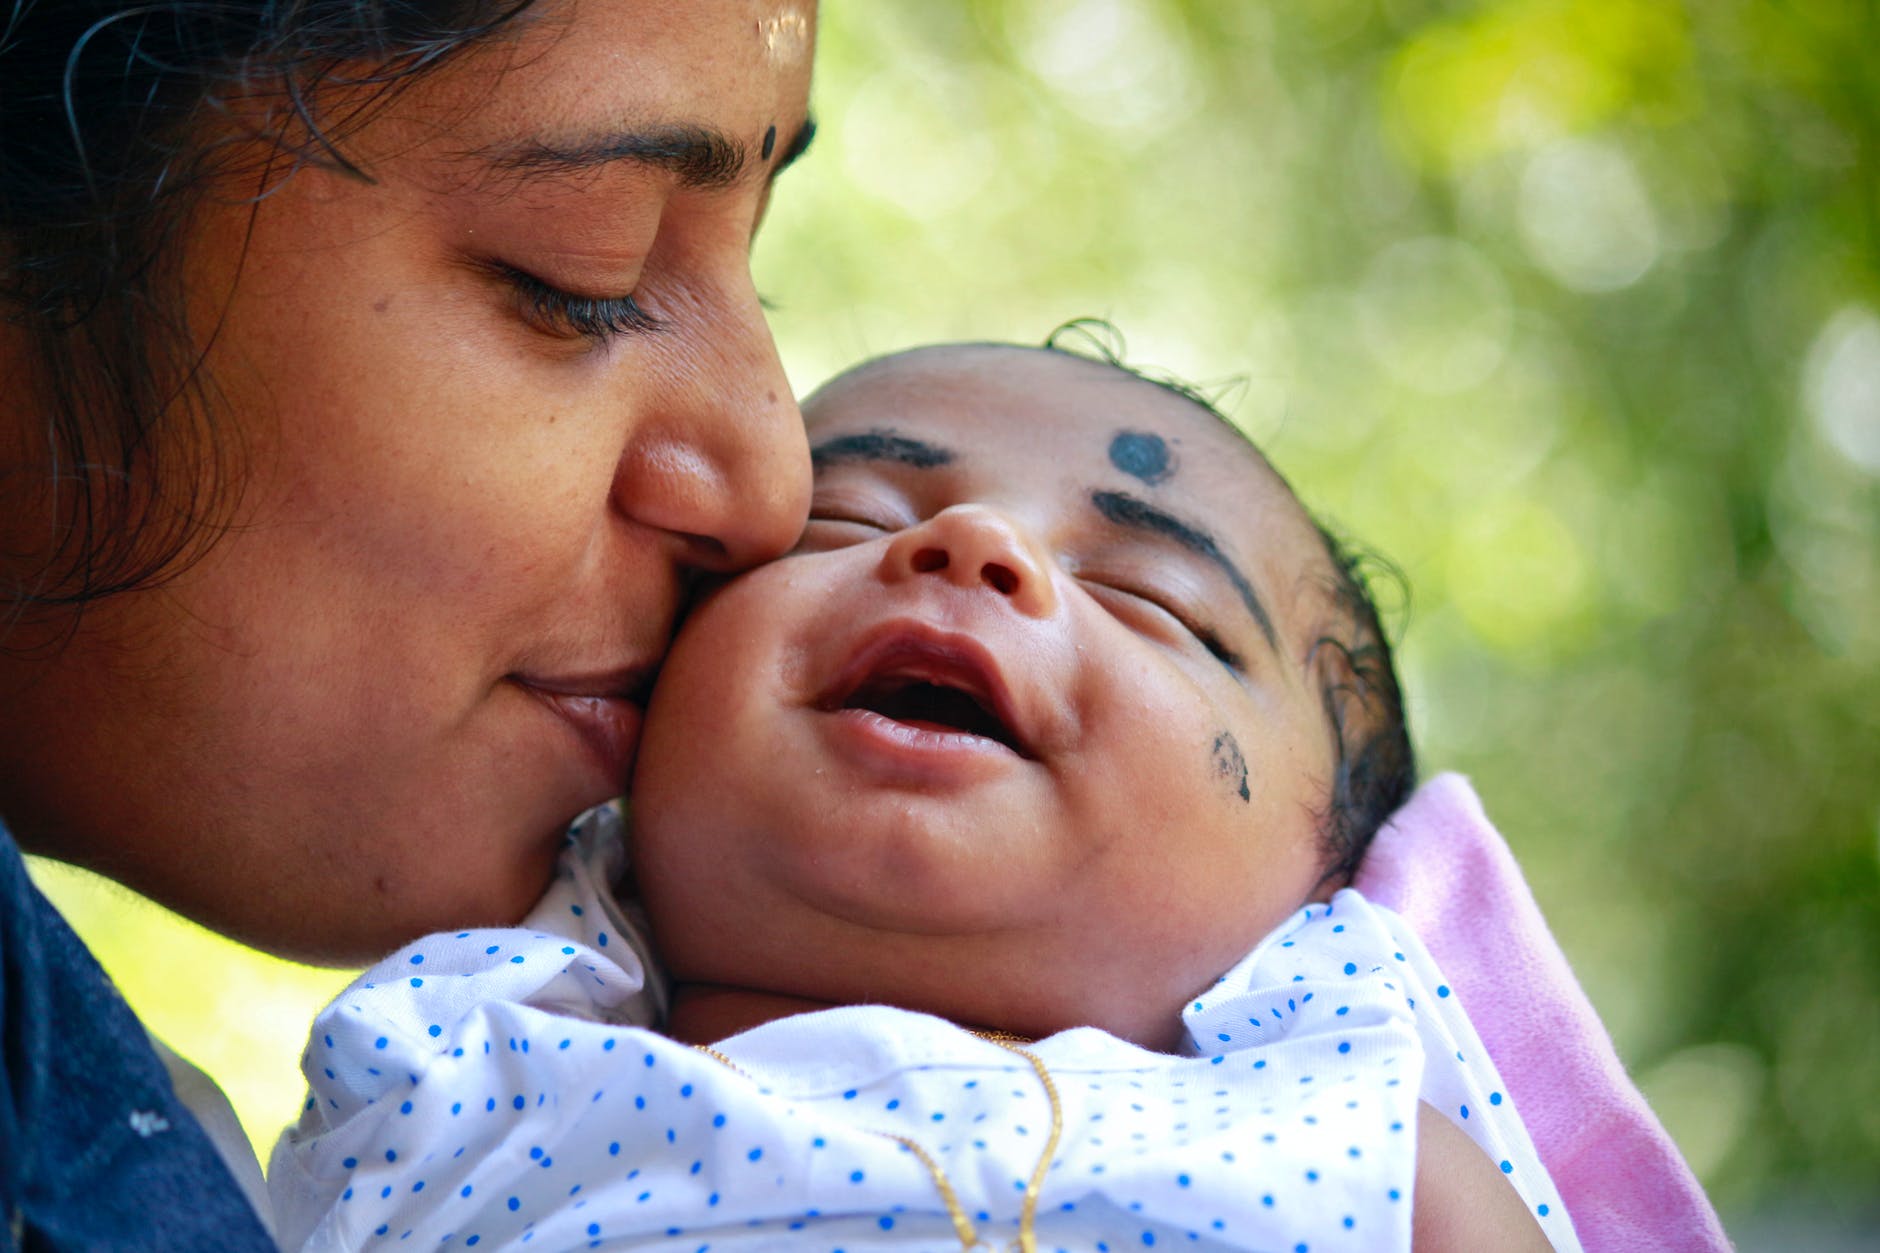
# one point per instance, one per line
(1375, 770)
(114, 121)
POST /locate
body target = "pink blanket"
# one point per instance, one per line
(1440, 864)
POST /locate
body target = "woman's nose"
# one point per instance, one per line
(719, 459)
(976, 546)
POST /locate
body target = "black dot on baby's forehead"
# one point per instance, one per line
(770, 142)
(1142, 455)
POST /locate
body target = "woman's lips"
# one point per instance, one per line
(606, 711)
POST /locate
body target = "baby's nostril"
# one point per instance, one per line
(927, 560)
(1001, 578)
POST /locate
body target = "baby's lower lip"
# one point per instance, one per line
(916, 750)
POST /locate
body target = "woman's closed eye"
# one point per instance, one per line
(1125, 601)
(564, 314)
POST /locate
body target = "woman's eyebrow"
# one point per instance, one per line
(701, 157)
(878, 445)
(1129, 511)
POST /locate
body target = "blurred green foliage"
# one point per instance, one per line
(1569, 307)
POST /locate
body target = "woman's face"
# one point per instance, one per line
(478, 478)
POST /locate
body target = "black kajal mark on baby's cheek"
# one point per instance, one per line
(1142, 456)
(1230, 765)
(770, 142)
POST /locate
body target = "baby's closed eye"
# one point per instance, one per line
(838, 519)
(1138, 606)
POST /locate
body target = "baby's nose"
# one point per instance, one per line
(977, 546)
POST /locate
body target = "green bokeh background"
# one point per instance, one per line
(1569, 307)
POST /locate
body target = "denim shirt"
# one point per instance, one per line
(96, 1152)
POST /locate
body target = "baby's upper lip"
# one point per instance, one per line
(921, 653)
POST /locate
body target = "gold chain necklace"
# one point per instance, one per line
(963, 1227)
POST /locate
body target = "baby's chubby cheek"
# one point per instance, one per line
(706, 762)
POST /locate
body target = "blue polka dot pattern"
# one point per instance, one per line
(498, 1101)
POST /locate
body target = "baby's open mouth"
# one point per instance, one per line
(944, 685)
(930, 706)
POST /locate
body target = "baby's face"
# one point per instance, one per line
(1024, 733)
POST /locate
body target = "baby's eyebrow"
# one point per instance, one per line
(879, 445)
(1140, 515)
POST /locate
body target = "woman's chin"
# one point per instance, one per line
(353, 920)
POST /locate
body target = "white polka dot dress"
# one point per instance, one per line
(483, 1090)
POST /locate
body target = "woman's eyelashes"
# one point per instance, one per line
(551, 310)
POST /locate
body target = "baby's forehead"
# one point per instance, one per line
(966, 362)
(1104, 454)
(987, 399)
(1020, 386)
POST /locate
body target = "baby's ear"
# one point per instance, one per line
(1351, 670)
(1336, 667)
(1374, 767)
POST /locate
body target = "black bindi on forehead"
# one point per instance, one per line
(1142, 455)
(770, 142)
(878, 445)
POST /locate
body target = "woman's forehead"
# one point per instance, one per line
(571, 78)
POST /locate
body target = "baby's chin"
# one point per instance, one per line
(704, 1013)
(1021, 990)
